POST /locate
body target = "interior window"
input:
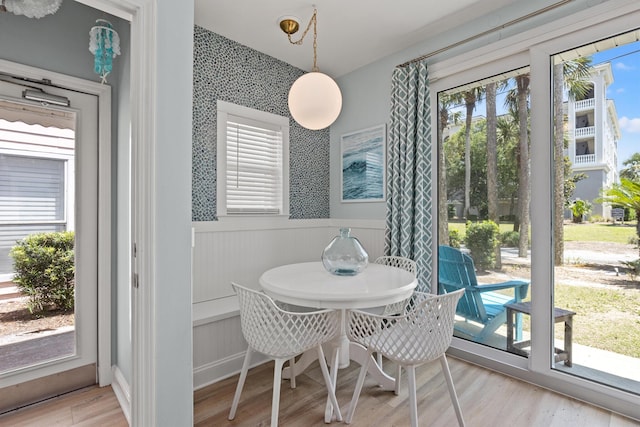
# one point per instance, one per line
(252, 161)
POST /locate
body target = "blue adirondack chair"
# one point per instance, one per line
(480, 303)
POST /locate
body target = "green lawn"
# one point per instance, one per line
(585, 232)
(600, 232)
(608, 318)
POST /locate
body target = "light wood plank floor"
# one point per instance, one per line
(88, 407)
(487, 399)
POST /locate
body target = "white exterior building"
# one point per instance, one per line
(593, 134)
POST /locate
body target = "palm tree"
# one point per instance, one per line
(522, 87)
(492, 162)
(625, 194)
(632, 170)
(470, 98)
(445, 102)
(574, 77)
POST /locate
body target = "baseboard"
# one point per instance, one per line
(122, 392)
(219, 370)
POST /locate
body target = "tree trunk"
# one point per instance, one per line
(492, 163)
(558, 179)
(443, 212)
(523, 190)
(467, 160)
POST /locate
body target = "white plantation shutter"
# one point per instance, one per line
(254, 166)
(253, 160)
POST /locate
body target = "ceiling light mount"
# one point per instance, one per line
(315, 99)
(289, 24)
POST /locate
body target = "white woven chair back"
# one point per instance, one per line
(278, 333)
(398, 261)
(420, 335)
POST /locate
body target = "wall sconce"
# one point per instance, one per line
(315, 99)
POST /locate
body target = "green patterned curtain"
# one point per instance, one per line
(408, 220)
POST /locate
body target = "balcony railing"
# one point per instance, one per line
(585, 132)
(585, 104)
(585, 159)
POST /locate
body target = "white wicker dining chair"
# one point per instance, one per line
(281, 335)
(399, 262)
(398, 307)
(420, 335)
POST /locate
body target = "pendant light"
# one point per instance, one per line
(315, 99)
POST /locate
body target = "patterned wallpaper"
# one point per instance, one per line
(226, 70)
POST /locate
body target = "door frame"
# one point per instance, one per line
(103, 94)
(142, 16)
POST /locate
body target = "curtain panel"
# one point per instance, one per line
(408, 231)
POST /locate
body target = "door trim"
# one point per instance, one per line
(103, 92)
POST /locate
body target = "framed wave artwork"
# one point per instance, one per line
(363, 162)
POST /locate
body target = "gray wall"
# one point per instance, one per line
(172, 214)
(226, 70)
(60, 43)
(589, 189)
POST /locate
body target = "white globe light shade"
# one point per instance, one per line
(315, 100)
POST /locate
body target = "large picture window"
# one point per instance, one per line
(536, 183)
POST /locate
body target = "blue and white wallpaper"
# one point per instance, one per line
(229, 71)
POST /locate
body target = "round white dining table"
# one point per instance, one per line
(309, 284)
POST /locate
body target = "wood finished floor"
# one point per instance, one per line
(87, 407)
(487, 399)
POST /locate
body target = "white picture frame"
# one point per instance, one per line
(362, 165)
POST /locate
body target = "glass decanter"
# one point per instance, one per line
(345, 256)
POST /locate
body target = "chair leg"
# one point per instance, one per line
(275, 400)
(292, 372)
(452, 390)
(243, 377)
(358, 389)
(328, 411)
(413, 401)
(330, 384)
(396, 390)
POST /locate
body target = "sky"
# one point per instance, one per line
(625, 92)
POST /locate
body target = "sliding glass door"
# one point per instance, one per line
(597, 264)
(538, 189)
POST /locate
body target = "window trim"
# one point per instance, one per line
(224, 110)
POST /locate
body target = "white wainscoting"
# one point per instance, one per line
(240, 251)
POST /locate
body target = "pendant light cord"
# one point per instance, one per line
(315, 39)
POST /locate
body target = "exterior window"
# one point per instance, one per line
(253, 165)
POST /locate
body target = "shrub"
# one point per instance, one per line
(482, 238)
(633, 268)
(451, 211)
(454, 239)
(580, 209)
(45, 270)
(510, 239)
(597, 218)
